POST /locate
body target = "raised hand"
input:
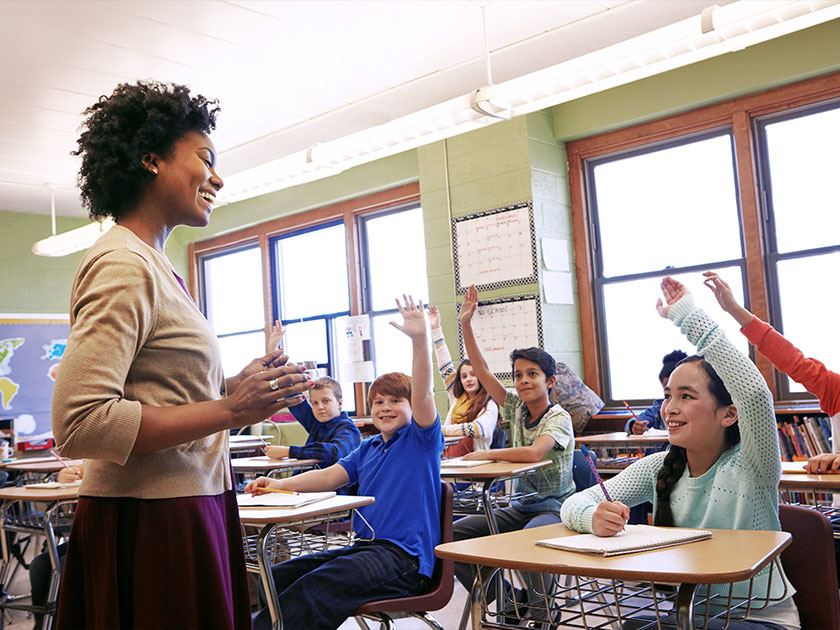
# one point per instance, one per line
(414, 318)
(674, 291)
(434, 317)
(727, 301)
(469, 305)
(275, 336)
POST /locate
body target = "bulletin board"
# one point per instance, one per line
(495, 248)
(504, 324)
(31, 348)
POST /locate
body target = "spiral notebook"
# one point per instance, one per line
(634, 538)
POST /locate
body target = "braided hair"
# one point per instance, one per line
(676, 460)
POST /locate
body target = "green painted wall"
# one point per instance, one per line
(30, 283)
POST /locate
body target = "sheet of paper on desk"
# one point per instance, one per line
(793, 467)
(457, 462)
(52, 485)
(281, 499)
(634, 538)
(657, 432)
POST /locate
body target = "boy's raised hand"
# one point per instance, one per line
(414, 319)
(469, 305)
(674, 291)
(434, 316)
(275, 336)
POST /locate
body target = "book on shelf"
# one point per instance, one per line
(633, 539)
(275, 500)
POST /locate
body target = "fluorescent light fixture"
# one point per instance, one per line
(73, 240)
(718, 30)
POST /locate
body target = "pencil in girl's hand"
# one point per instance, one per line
(58, 457)
(595, 472)
(631, 411)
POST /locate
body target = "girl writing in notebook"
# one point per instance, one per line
(473, 415)
(722, 470)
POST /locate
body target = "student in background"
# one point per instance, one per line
(472, 415)
(332, 434)
(651, 418)
(787, 358)
(401, 468)
(541, 430)
(41, 568)
(722, 470)
(141, 394)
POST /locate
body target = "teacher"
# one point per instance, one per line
(140, 395)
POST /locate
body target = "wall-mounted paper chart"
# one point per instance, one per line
(503, 325)
(495, 248)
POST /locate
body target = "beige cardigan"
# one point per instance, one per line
(135, 337)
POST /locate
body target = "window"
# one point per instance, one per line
(351, 258)
(395, 264)
(798, 173)
(669, 209)
(232, 299)
(745, 188)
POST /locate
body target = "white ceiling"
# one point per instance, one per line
(288, 74)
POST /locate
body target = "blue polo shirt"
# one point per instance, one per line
(404, 476)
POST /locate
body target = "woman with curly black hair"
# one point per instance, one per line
(141, 395)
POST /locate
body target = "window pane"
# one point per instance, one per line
(239, 350)
(638, 338)
(675, 207)
(396, 255)
(233, 291)
(307, 341)
(312, 273)
(802, 154)
(807, 320)
(392, 349)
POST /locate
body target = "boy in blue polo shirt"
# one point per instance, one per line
(401, 468)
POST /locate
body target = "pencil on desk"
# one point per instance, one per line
(595, 472)
(58, 457)
(277, 490)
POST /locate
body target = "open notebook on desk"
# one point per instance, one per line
(458, 462)
(634, 538)
(53, 485)
(281, 500)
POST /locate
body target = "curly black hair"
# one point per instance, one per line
(137, 119)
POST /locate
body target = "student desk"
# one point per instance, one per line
(728, 556)
(41, 465)
(266, 464)
(813, 484)
(34, 512)
(488, 475)
(620, 439)
(260, 548)
(245, 443)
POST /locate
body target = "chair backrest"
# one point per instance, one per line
(581, 471)
(499, 438)
(443, 579)
(810, 566)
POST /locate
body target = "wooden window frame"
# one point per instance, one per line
(737, 114)
(346, 211)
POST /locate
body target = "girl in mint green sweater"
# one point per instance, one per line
(723, 467)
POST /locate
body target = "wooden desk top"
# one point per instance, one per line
(25, 493)
(620, 438)
(263, 462)
(268, 516)
(728, 556)
(41, 464)
(490, 471)
(801, 481)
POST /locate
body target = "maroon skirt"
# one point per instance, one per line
(155, 563)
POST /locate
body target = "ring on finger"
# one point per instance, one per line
(273, 385)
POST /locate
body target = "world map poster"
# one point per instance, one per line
(30, 351)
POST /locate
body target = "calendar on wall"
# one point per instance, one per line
(495, 248)
(504, 324)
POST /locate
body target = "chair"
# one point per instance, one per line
(440, 589)
(581, 471)
(499, 438)
(810, 566)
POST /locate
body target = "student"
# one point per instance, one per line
(787, 358)
(401, 468)
(141, 394)
(40, 568)
(540, 429)
(722, 470)
(651, 418)
(472, 414)
(332, 434)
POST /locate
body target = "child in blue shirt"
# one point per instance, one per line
(332, 434)
(401, 468)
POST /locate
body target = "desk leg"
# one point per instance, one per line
(487, 504)
(55, 564)
(685, 606)
(267, 581)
